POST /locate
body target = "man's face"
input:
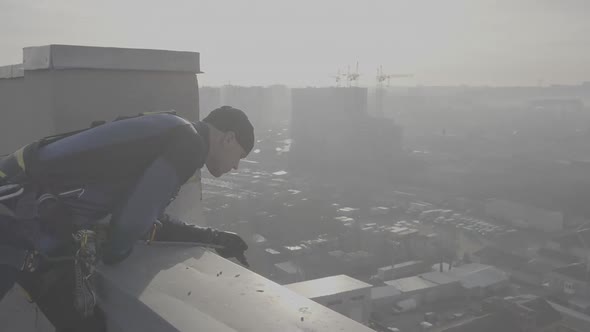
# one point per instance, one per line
(225, 155)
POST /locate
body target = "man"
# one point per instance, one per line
(128, 169)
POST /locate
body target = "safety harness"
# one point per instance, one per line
(18, 176)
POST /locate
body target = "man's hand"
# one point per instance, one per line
(233, 246)
(176, 231)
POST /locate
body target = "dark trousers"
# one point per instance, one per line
(8, 276)
(51, 287)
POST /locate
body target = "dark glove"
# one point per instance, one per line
(233, 245)
(177, 231)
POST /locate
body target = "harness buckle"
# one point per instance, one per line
(31, 261)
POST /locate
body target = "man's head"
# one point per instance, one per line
(231, 138)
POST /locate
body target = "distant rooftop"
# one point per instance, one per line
(439, 278)
(410, 284)
(573, 319)
(557, 255)
(500, 257)
(577, 239)
(60, 57)
(478, 275)
(272, 251)
(327, 286)
(469, 276)
(546, 314)
(537, 266)
(400, 265)
(576, 271)
(12, 71)
(75, 57)
(288, 267)
(499, 319)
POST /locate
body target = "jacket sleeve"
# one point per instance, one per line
(178, 231)
(144, 204)
(154, 190)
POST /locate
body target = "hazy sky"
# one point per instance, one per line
(304, 42)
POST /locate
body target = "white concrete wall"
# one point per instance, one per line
(64, 88)
(14, 123)
(82, 95)
(23, 107)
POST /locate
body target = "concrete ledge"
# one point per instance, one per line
(12, 71)
(167, 288)
(109, 58)
(17, 314)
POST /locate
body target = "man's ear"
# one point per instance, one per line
(229, 136)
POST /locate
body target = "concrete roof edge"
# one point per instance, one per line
(109, 58)
(12, 71)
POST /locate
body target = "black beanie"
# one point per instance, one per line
(227, 118)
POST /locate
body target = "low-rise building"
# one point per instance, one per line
(421, 290)
(576, 243)
(527, 312)
(470, 280)
(534, 273)
(573, 321)
(572, 284)
(556, 257)
(479, 280)
(385, 296)
(288, 272)
(401, 270)
(449, 285)
(525, 216)
(341, 293)
(511, 314)
(506, 260)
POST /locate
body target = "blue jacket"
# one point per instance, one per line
(130, 168)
